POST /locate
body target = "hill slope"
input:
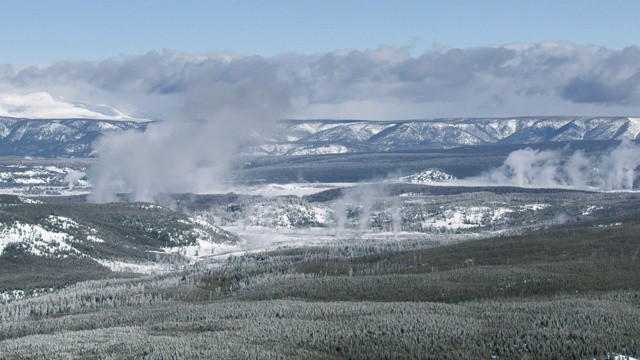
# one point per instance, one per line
(57, 137)
(74, 137)
(310, 137)
(59, 237)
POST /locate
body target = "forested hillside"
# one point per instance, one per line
(53, 244)
(561, 292)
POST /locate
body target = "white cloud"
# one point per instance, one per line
(552, 78)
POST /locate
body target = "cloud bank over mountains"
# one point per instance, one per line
(384, 83)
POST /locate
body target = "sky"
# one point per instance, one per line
(53, 30)
(323, 59)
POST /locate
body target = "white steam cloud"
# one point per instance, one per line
(613, 170)
(181, 154)
(168, 157)
(359, 205)
(72, 177)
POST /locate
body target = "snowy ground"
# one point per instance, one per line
(273, 190)
(256, 238)
(43, 191)
(150, 268)
(259, 239)
(36, 188)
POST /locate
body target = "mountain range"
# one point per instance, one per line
(309, 137)
(74, 137)
(53, 138)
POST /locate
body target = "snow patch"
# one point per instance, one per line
(534, 207)
(150, 268)
(590, 209)
(461, 217)
(321, 150)
(37, 240)
(428, 176)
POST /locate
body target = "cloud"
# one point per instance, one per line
(556, 78)
(615, 80)
(221, 101)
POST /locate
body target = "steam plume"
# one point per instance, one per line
(73, 176)
(614, 170)
(362, 200)
(187, 155)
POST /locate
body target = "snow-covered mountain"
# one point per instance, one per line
(308, 137)
(41, 105)
(74, 137)
(38, 124)
(57, 137)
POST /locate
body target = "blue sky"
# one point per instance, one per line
(47, 30)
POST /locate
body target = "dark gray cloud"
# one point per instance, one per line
(615, 80)
(449, 75)
(455, 65)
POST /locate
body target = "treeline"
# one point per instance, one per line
(553, 329)
(356, 167)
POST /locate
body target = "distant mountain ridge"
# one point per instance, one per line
(42, 105)
(57, 137)
(74, 137)
(309, 137)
